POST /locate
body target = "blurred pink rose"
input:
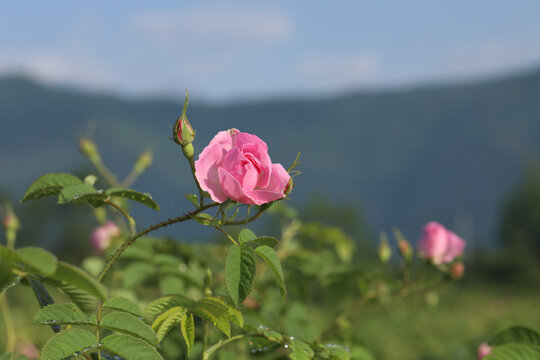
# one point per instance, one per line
(102, 236)
(439, 244)
(236, 166)
(483, 350)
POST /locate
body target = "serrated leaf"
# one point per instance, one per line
(82, 299)
(7, 278)
(215, 315)
(127, 323)
(29, 259)
(62, 314)
(233, 314)
(266, 240)
(239, 272)
(130, 348)
(166, 302)
(270, 334)
(246, 235)
(194, 199)
(123, 304)
(300, 350)
(271, 258)
(78, 192)
(79, 279)
(187, 325)
(516, 335)
(68, 344)
(163, 323)
(49, 184)
(143, 198)
(514, 352)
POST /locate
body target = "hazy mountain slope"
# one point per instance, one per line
(407, 156)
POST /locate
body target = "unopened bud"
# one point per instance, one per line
(183, 133)
(144, 161)
(385, 252)
(405, 249)
(88, 148)
(11, 223)
(457, 270)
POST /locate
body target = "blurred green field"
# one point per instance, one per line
(405, 329)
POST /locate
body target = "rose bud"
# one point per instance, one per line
(102, 236)
(236, 166)
(405, 249)
(457, 270)
(385, 252)
(183, 133)
(483, 350)
(440, 245)
(11, 223)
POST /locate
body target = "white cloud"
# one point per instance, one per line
(215, 26)
(55, 67)
(338, 71)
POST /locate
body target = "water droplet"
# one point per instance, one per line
(76, 197)
(100, 191)
(286, 346)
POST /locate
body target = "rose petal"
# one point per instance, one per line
(456, 245)
(232, 188)
(206, 171)
(434, 242)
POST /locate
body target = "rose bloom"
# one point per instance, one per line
(439, 244)
(102, 236)
(236, 166)
(483, 350)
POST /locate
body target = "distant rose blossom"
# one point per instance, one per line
(439, 244)
(236, 165)
(102, 236)
(483, 350)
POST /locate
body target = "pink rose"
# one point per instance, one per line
(439, 244)
(102, 236)
(236, 166)
(483, 350)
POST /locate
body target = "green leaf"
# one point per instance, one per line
(78, 192)
(516, 335)
(300, 350)
(163, 323)
(233, 314)
(270, 334)
(123, 304)
(164, 303)
(187, 325)
(62, 314)
(50, 184)
(246, 235)
(79, 279)
(266, 240)
(143, 198)
(81, 298)
(514, 352)
(7, 278)
(130, 348)
(29, 259)
(129, 324)
(239, 272)
(215, 315)
(271, 258)
(205, 219)
(136, 273)
(337, 352)
(68, 344)
(194, 199)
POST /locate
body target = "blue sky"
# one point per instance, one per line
(223, 50)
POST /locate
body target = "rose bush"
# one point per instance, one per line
(236, 165)
(439, 244)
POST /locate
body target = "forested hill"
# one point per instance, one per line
(407, 156)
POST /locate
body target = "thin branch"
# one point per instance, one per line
(149, 229)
